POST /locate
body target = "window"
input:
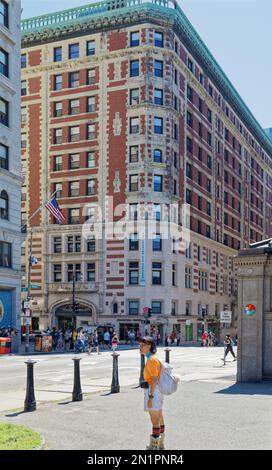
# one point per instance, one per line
(4, 205)
(188, 250)
(90, 159)
(158, 68)
(73, 216)
(4, 14)
(133, 242)
(174, 275)
(23, 141)
(58, 190)
(134, 96)
(134, 68)
(73, 271)
(157, 212)
(57, 165)
(58, 82)
(156, 307)
(209, 161)
(209, 115)
(4, 154)
(189, 119)
(158, 183)
(134, 125)
(156, 273)
(5, 255)
(133, 211)
(73, 107)
(91, 77)
(58, 109)
(73, 79)
(133, 183)
(190, 65)
(133, 273)
(90, 48)
(203, 281)
(91, 272)
(133, 307)
(158, 125)
(91, 244)
(157, 242)
(91, 135)
(158, 96)
(74, 134)
(23, 88)
(57, 54)
(158, 39)
(175, 159)
(90, 190)
(4, 62)
(189, 93)
(189, 170)
(115, 307)
(4, 112)
(188, 277)
(23, 61)
(57, 273)
(217, 282)
(157, 156)
(209, 185)
(209, 138)
(57, 136)
(134, 39)
(208, 208)
(189, 144)
(210, 90)
(23, 114)
(188, 196)
(188, 308)
(91, 104)
(73, 188)
(74, 51)
(133, 153)
(57, 245)
(74, 161)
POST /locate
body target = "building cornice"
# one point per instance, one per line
(104, 16)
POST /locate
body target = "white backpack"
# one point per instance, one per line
(168, 382)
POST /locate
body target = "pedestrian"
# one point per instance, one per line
(228, 343)
(166, 340)
(114, 342)
(107, 339)
(131, 337)
(153, 398)
(60, 341)
(204, 338)
(67, 339)
(178, 339)
(95, 341)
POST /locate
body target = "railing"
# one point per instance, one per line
(66, 16)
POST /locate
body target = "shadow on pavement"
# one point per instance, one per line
(14, 415)
(261, 388)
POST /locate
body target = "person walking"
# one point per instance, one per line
(228, 343)
(153, 398)
(96, 342)
(107, 339)
(204, 338)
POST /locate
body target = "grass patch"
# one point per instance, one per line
(13, 437)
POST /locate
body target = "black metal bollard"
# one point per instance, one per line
(77, 392)
(115, 388)
(167, 355)
(141, 379)
(30, 402)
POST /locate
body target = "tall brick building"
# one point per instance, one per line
(122, 100)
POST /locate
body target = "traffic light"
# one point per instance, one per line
(149, 313)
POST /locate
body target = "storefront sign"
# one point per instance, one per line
(249, 310)
(142, 260)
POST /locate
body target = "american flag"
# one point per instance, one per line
(54, 209)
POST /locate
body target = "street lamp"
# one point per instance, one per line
(75, 305)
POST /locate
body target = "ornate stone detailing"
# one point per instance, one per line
(116, 182)
(117, 124)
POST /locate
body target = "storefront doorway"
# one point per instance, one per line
(66, 317)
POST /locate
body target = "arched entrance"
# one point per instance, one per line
(66, 317)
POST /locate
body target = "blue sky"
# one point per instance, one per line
(238, 34)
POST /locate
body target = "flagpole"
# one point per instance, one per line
(30, 267)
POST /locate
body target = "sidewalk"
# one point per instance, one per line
(121, 347)
(199, 416)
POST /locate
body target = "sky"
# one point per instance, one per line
(235, 31)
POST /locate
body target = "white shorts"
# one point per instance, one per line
(157, 401)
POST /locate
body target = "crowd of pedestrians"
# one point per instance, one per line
(80, 340)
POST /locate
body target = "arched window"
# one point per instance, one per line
(4, 203)
(157, 156)
(115, 307)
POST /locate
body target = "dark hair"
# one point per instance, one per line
(149, 340)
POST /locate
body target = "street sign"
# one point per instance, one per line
(225, 316)
(35, 286)
(24, 289)
(26, 304)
